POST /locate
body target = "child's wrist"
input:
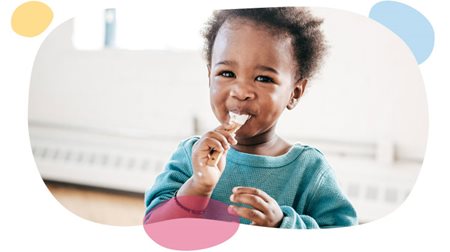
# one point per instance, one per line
(201, 188)
(200, 205)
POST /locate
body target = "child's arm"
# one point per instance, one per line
(188, 177)
(327, 208)
(206, 174)
(322, 204)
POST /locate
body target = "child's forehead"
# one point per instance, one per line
(245, 42)
(237, 23)
(239, 30)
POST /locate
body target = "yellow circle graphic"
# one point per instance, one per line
(31, 18)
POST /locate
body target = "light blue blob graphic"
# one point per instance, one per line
(408, 24)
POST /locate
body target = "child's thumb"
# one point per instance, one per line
(222, 161)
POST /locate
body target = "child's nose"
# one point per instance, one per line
(242, 91)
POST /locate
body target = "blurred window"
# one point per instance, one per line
(140, 29)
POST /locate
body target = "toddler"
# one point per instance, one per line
(259, 62)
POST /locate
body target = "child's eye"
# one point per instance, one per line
(264, 79)
(227, 74)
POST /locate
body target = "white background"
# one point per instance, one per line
(32, 219)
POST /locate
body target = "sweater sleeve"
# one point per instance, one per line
(327, 208)
(176, 172)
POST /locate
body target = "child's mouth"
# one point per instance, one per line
(237, 118)
(236, 121)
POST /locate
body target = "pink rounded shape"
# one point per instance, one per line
(176, 225)
(190, 233)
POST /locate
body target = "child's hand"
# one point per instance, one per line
(265, 212)
(218, 140)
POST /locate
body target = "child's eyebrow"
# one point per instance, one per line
(267, 68)
(226, 62)
(259, 67)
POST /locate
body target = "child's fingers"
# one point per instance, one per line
(214, 157)
(252, 200)
(252, 190)
(211, 144)
(230, 126)
(250, 214)
(227, 134)
(222, 161)
(219, 137)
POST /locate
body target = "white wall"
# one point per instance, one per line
(154, 91)
(370, 88)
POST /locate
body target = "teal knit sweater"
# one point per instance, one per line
(301, 181)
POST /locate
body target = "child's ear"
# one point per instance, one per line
(297, 92)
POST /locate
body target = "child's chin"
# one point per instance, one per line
(243, 135)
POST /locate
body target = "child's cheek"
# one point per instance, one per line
(213, 90)
(218, 101)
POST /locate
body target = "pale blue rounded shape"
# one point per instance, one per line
(409, 24)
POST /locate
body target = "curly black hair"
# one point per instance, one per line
(308, 40)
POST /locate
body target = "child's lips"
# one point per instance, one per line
(249, 116)
(241, 112)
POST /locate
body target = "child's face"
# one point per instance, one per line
(252, 72)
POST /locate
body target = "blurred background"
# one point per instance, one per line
(114, 91)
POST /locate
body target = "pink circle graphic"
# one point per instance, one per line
(173, 224)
